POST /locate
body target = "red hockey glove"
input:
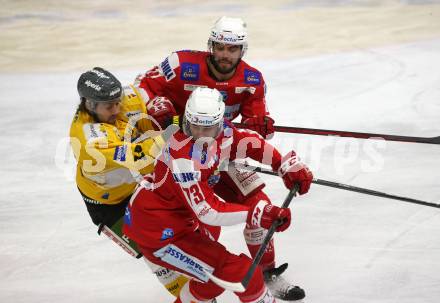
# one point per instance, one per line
(263, 125)
(162, 110)
(263, 214)
(292, 170)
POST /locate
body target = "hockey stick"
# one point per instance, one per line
(348, 187)
(328, 132)
(125, 243)
(241, 286)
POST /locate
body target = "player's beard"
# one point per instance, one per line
(220, 69)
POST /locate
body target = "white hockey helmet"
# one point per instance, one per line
(228, 30)
(205, 107)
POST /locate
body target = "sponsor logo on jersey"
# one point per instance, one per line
(191, 87)
(189, 71)
(213, 179)
(93, 131)
(127, 216)
(167, 277)
(133, 113)
(168, 72)
(250, 89)
(224, 95)
(205, 210)
(167, 233)
(162, 272)
(88, 200)
(197, 153)
(175, 256)
(255, 236)
(252, 77)
(120, 153)
(186, 177)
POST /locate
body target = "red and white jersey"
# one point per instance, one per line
(183, 71)
(184, 176)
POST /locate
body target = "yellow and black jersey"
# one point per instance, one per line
(109, 156)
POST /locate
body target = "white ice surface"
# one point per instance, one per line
(343, 247)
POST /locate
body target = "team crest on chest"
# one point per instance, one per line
(189, 71)
(251, 77)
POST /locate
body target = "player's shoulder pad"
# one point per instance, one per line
(183, 171)
(130, 93)
(189, 52)
(190, 64)
(132, 103)
(134, 94)
(191, 56)
(251, 75)
(167, 66)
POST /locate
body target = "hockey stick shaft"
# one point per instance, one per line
(242, 285)
(351, 188)
(358, 135)
(267, 238)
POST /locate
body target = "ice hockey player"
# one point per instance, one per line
(222, 67)
(243, 90)
(164, 221)
(101, 138)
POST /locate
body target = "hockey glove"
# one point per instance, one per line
(263, 125)
(263, 214)
(162, 110)
(292, 170)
